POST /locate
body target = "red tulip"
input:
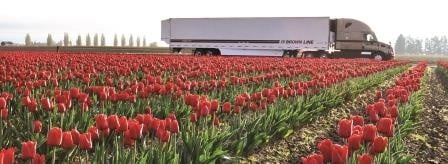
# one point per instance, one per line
(358, 130)
(75, 136)
(28, 149)
(8, 155)
(61, 107)
(2, 103)
(46, 104)
(163, 135)
(38, 159)
(54, 137)
(378, 94)
(339, 154)
(313, 159)
(193, 117)
(136, 129)
(101, 121)
(369, 132)
(373, 114)
(67, 140)
(226, 107)
(239, 100)
(32, 106)
(4, 113)
(214, 105)
(123, 124)
(345, 128)
(85, 141)
(354, 142)
(325, 147)
(37, 126)
(379, 144)
(394, 111)
(174, 126)
(380, 108)
(112, 122)
(386, 126)
(365, 159)
(358, 120)
(237, 109)
(127, 140)
(94, 133)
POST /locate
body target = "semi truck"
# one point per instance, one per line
(321, 37)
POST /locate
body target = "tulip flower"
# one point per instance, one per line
(345, 128)
(75, 136)
(358, 130)
(4, 113)
(354, 142)
(373, 114)
(54, 137)
(163, 135)
(386, 126)
(112, 122)
(85, 141)
(46, 104)
(369, 132)
(380, 108)
(193, 117)
(358, 120)
(313, 159)
(61, 107)
(94, 133)
(325, 147)
(101, 122)
(123, 124)
(174, 126)
(127, 139)
(365, 159)
(37, 126)
(8, 155)
(38, 159)
(2, 103)
(379, 145)
(394, 111)
(226, 107)
(28, 149)
(214, 106)
(135, 129)
(339, 154)
(67, 140)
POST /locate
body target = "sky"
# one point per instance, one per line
(388, 18)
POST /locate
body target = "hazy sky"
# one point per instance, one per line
(388, 18)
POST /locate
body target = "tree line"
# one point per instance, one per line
(98, 40)
(436, 45)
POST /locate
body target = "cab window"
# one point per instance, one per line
(369, 37)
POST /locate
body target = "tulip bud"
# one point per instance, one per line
(85, 141)
(386, 126)
(345, 128)
(358, 120)
(339, 154)
(365, 159)
(379, 145)
(369, 132)
(54, 137)
(101, 121)
(325, 147)
(38, 159)
(37, 126)
(313, 159)
(67, 140)
(28, 150)
(354, 142)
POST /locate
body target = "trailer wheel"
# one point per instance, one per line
(198, 52)
(378, 56)
(323, 56)
(209, 52)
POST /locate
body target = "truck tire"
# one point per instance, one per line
(198, 52)
(209, 52)
(378, 56)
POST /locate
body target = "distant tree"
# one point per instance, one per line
(153, 44)
(144, 42)
(28, 40)
(79, 41)
(123, 40)
(418, 46)
(70, 43)
(103, 40)
(50, 41)
(115, 40)
(131, 41)
(95, 40)
(66, 39)
(428, 46)
(88, 41)
(410, 45)
(400, 44)
(138, 41)
(443, 45)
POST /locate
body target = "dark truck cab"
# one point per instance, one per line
(353, 38)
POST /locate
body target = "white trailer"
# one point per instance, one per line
(263, 36)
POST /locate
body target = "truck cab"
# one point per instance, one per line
(353, 38)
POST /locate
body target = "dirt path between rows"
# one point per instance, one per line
(429, 144)
(304, 140)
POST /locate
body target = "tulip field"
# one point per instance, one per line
(160, 108)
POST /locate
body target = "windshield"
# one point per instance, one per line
(370, 37)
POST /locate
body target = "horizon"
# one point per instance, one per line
(142, 18)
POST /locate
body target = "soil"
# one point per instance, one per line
(429, 143)
(305, 139)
